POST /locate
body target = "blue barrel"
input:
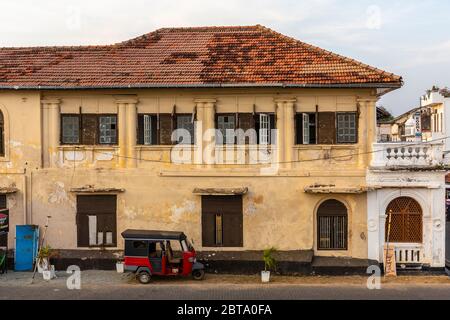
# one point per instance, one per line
(27, 244)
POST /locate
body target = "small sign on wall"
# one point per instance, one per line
(4, 220)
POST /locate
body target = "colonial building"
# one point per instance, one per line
(88, 138)
(408, 178)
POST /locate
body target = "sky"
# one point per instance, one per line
(410, 38)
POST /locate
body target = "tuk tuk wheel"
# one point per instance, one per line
(144, 277)
(198, 274)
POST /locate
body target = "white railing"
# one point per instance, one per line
(404, 154)
(408, 253)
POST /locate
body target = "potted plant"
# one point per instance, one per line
(269, 264)
(43, 259)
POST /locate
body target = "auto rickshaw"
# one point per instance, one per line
(149, 253)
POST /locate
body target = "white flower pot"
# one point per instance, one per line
(43, 265)
(47, 275)
(52, 272)
(120, 267)
(265, 276)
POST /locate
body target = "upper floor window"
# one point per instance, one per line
(70, 129)
(326, 128)
(346, 128)
(226, 126)
(306, 128)
(245, 128)
(89, 129)
(108, 129)
(185, 129)
(155, 129)
(2, 135)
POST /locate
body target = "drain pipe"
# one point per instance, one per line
(24, 198)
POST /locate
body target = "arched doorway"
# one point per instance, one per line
(332, 226)
(406, 221)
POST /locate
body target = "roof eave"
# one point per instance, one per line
(390, 85)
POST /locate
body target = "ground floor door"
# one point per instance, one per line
(404, 223)
(97, 220)
(222, 221)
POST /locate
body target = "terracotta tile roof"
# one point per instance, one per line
(204, 56)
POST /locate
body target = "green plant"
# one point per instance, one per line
(269, 261)
(46, 252)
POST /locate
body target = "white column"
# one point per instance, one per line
(122, 119)
(127, 122)
(205, 124)
(285, 130)
(131, 134)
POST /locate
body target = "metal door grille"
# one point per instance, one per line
(406, 221)
(332, 226)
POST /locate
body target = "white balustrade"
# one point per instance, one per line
(405, 154)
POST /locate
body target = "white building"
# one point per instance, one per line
(407, 180)
(436, 103)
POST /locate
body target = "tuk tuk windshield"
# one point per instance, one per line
(187, 246)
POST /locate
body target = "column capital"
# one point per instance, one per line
(126, 99)
(205, 100)
(367, 99)
(51, 101)
(285, 100)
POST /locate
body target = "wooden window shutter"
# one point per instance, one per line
(299, 128)
(327, 128)
(104, 208)
(165, 129)
(232, 230)
(246, 121)
(82, 230)
(208, 228)
(89, 129)
(230, 208)
(140, 130)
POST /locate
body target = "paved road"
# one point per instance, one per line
(234, 292)
(111, 286)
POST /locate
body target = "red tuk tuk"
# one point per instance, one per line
(149, 253)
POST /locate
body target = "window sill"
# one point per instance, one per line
(79, 147)
(325, 146)
(164, 147)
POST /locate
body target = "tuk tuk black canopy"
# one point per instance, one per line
(153, 235)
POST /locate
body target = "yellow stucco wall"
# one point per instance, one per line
(277, 211)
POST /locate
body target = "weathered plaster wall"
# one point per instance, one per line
(159, 195)
(277, 212)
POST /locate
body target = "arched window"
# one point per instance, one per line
(332, 226)
(406, 221)
(2, 135)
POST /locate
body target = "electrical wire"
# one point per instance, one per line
(279, 162)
